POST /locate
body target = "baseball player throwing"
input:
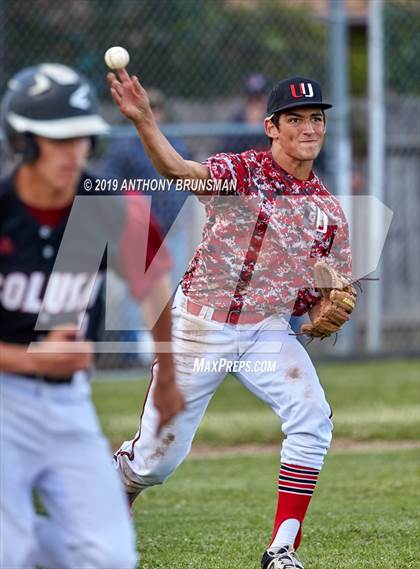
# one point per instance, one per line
(274, 242)
(50, 437)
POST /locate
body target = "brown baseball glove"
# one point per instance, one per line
(338, 299)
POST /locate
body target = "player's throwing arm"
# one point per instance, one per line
(132, 100)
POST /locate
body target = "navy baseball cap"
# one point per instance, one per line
(257, 84)
(295, 92)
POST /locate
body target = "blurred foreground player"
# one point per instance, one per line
(50, 437)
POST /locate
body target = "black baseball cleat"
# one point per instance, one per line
(283, 558)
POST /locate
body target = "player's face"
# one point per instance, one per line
(60, 162)
(301, 133)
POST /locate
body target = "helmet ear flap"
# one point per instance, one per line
(25, 145)
(93, 144)
(30, 149)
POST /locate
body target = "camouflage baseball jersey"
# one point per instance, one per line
(260, 240)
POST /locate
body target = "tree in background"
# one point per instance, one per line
(198, 50)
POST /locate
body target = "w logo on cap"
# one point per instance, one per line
(303, 90)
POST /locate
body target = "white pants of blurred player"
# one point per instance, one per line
(50, 441)
(292, 390)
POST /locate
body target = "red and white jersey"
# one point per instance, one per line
(260, 242)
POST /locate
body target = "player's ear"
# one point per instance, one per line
(271, 130)
(325, 122)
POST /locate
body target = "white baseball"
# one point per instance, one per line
(117, 57)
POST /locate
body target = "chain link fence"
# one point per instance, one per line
(400, 264)
(211, 63)
(401, 260)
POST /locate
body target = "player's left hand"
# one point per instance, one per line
(167, 398)
(338, 300)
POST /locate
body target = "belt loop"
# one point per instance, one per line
(203, 312)
(206, 312)
(210, 312)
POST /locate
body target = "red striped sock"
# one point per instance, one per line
(296, 486)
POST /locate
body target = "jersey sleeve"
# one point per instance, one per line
(229, 168)
(143, 257)
(306, 298)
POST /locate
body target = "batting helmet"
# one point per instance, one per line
(50, 100)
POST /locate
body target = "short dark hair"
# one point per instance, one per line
(275, 119)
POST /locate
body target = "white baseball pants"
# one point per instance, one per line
(292, 390)
(50, 441)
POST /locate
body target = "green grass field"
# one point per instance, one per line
(216, 511)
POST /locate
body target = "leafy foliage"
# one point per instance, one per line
(201, 49)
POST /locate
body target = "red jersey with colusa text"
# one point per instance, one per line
(261, 239)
